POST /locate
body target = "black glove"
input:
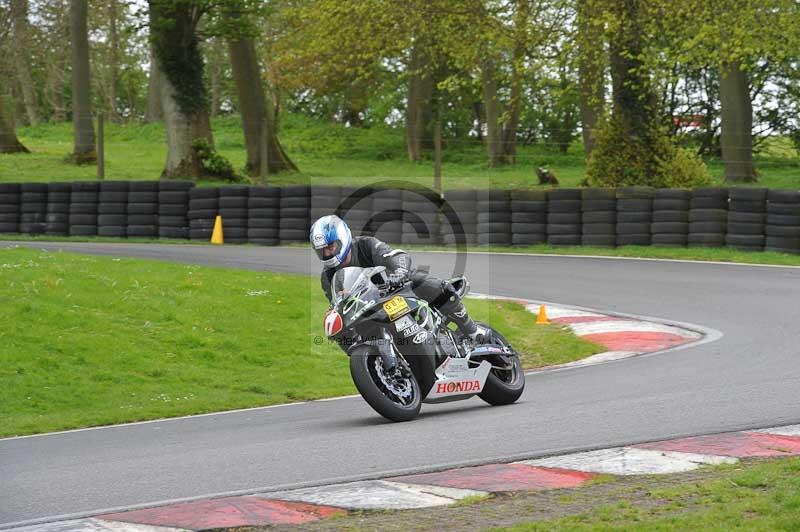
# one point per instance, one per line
(396, 280)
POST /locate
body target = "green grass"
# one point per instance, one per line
(329, 153)
(94, 340)
(764, 496)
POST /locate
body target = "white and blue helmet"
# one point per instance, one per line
(331, 239)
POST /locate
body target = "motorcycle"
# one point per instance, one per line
(403, 352)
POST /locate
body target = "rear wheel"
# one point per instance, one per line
(503, 386)
(393, 394)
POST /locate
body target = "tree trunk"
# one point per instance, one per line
(182, 130)
(184, 98)
(509, 135)
(591, 67)
(84, 151)
(9, 143)
(215, 67)
(255, 108)
(21, 48)
(153, 112)
(418, 107)
(113, 61)
(491, 104)
(737, 125)
(634, 99)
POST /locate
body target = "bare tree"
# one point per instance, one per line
(84, 150)
(21, 50)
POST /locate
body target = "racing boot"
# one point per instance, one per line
(454, 309)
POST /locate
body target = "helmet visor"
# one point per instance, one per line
(329, 251)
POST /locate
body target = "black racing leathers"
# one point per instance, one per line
(369, 252)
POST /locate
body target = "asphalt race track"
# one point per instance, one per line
(748, 378)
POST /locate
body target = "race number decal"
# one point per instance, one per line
(404, 323)
(396, 307)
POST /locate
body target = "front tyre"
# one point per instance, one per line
(503, 386)
(394, 396)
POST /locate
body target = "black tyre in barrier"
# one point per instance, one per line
(782, 244)
(82, 230)
(599, 217)
(634, 216)
(142, 231)
(112, 208)
(197, 193)
(560, 218)
(119, 231)
(706, 239)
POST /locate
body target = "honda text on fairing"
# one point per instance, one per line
(402, 352)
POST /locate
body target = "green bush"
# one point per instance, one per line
(215, 166)
(648, 159)
(684, 170)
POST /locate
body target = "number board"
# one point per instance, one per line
(396, 307)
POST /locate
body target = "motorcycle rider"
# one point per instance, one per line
(337, 248)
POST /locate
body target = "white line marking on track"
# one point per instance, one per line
(789, 430)
(93, 525)
(620, 326)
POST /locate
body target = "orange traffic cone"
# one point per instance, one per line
(541, 318)
(216, 236)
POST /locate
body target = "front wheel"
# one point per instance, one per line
(503, 386)
(395, 396)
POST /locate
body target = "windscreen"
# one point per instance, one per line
(354, 284)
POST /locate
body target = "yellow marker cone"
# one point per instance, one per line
(216, 236)
(541, 318)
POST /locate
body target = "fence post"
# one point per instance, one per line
(264, 153)
(437, 157)
(101, 147)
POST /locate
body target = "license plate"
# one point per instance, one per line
(396, 307)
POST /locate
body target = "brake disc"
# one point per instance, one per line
(401, 389)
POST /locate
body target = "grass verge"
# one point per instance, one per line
(762, 496)
(91, 341)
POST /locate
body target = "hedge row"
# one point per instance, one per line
(745, 218)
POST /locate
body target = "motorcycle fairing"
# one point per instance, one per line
(455, 379)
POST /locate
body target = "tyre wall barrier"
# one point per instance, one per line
(783, 221)
(634, 216)
(670, 226)
(564, 217)
(708, 217)
(750, 219)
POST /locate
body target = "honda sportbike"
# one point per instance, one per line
(403, 351)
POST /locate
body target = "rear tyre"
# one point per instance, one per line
(503, 387)
(396, 399)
